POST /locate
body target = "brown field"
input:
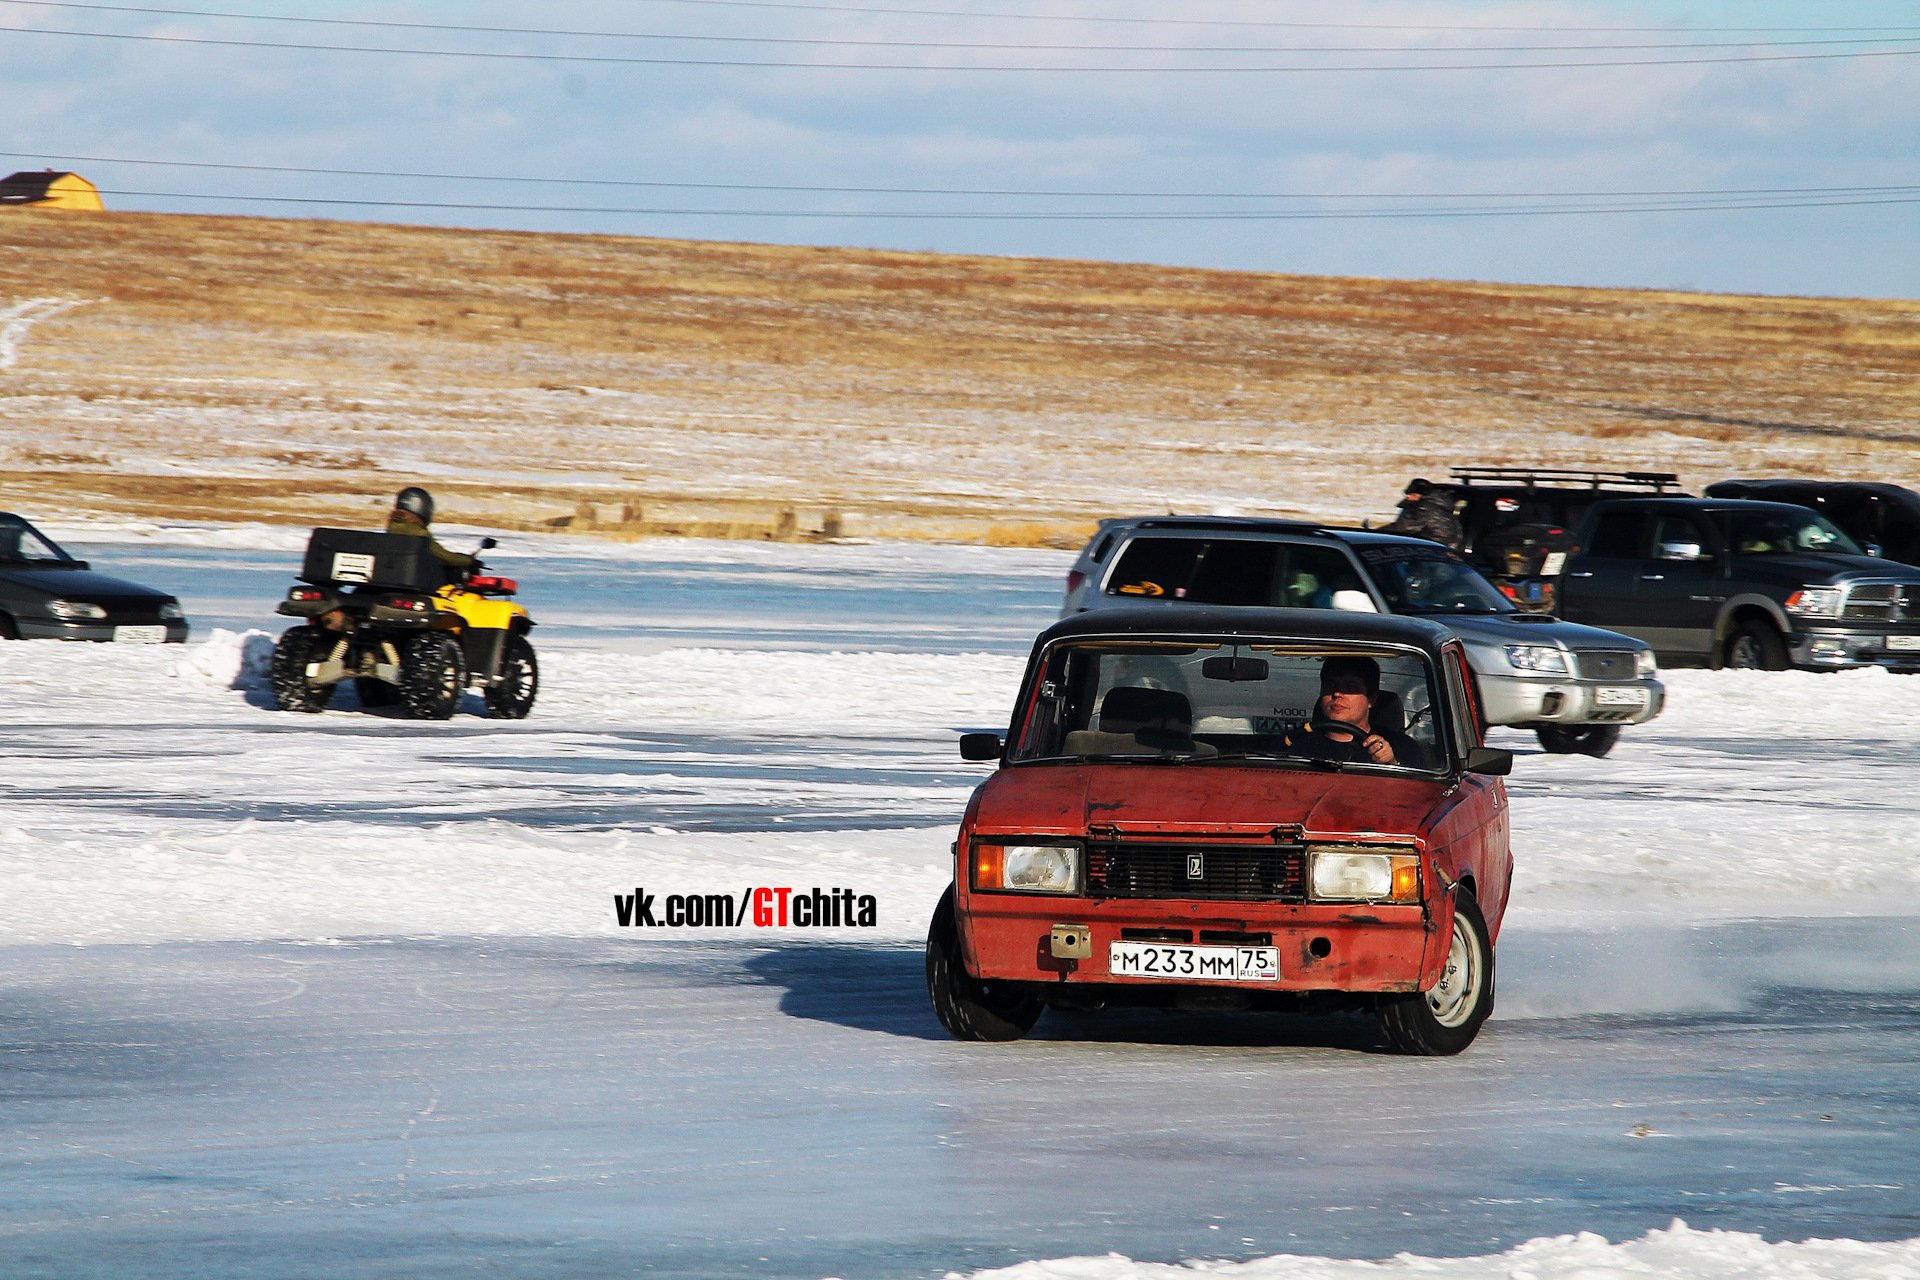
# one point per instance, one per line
(243, 368)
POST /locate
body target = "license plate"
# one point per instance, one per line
(1179, 963)
(1620, 697)
(140, 635)
(1904, 644)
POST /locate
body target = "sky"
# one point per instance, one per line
(1086, 115)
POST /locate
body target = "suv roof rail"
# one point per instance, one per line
(1658, 481)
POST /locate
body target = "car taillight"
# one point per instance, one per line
(304, 593)
(1074, 579)
(408, 602)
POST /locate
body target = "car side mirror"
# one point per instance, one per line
(1874, 549)
(980, 746)
(1680, 551)
(488, 544)
(1489, 760)
(1354, 601)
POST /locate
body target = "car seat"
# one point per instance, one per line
(1135, 721)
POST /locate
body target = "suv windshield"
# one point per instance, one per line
(1417, 579)
(20, 542)
(1783, 533)
(1191, 702)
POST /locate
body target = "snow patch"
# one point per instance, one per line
(17, 319)
(232, 660)
(1678, 1253)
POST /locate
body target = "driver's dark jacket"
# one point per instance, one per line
(1311, 745)
(452, 559)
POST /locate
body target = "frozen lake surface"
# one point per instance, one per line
(353, 1001)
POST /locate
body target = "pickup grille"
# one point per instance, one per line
(1883, 602)
(1243, 872)
(1604, 664)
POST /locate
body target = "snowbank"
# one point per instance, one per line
(1678, 1253)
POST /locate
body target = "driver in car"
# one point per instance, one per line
(1349, 691)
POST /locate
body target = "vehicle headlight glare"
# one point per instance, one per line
(1537, 657)
(171, 612)
(1816, 602)
(1027, 868)
(73, 610)
(1363, 875)
(1645, 665)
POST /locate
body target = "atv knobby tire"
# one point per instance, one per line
(432, 677)
(969, 1008)
(1444, 1020)
(287, 674)
(519, 684)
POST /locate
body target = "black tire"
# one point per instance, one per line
(287, 674)
(1584, 739)
(969, 1008)
(1445, 1020)
(375, 693)
(433, 675)
(513, 697)
(1756, 646)
(8, 631)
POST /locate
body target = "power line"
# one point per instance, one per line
(1267, 215)
(467, 28)
(1664, 193)
(616, 60)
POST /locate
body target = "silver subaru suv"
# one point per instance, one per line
(1574, 686)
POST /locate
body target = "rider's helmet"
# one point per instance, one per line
(417, 501)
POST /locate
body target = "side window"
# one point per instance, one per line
(1156, 568)
(1234, 571)
(1618, 535)
(1308, 577)
(1466, 713)
(1673, 533)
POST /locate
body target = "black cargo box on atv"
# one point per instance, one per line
(357, 558)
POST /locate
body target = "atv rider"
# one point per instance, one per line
(412, 514)
(1427, 512)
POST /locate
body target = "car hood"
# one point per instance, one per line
(1818, 568)
(1174, 800)
(1502, 629)
(77, 584)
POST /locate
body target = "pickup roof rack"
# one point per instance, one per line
(1532, 477)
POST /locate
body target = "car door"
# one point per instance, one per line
(1598, 587)
(1680, 587)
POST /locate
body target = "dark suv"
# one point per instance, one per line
(1724, 582)
(1876, 515)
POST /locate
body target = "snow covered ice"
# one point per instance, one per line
(353, 999)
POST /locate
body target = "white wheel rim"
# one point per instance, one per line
(1454, 997)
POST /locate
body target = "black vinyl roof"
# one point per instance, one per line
(1239, 622)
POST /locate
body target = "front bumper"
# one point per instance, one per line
(1532, 700)
(1344, 947)
(1837, 648)
(52, 629)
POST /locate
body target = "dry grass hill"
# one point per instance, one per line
(244, 368)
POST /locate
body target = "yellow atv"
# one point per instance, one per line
(379, 611)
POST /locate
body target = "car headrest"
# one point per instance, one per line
(1128, 709)
(1389, 714)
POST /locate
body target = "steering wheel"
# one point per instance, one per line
(1320, 724)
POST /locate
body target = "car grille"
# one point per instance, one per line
(1883, 602)
(1604, 664)
(1244, 872)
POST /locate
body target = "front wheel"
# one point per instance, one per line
(287, 673)
(1445, 1020)
(1756, 646)
(513, 696)
(969, 1008)
(1585, 739)
(432, 676)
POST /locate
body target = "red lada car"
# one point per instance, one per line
(1232, 809)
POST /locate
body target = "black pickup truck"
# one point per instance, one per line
(1725, 582)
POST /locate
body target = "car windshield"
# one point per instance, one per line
(20, 543)
(1417, 579)
(1783, 533)
(1194, 702)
